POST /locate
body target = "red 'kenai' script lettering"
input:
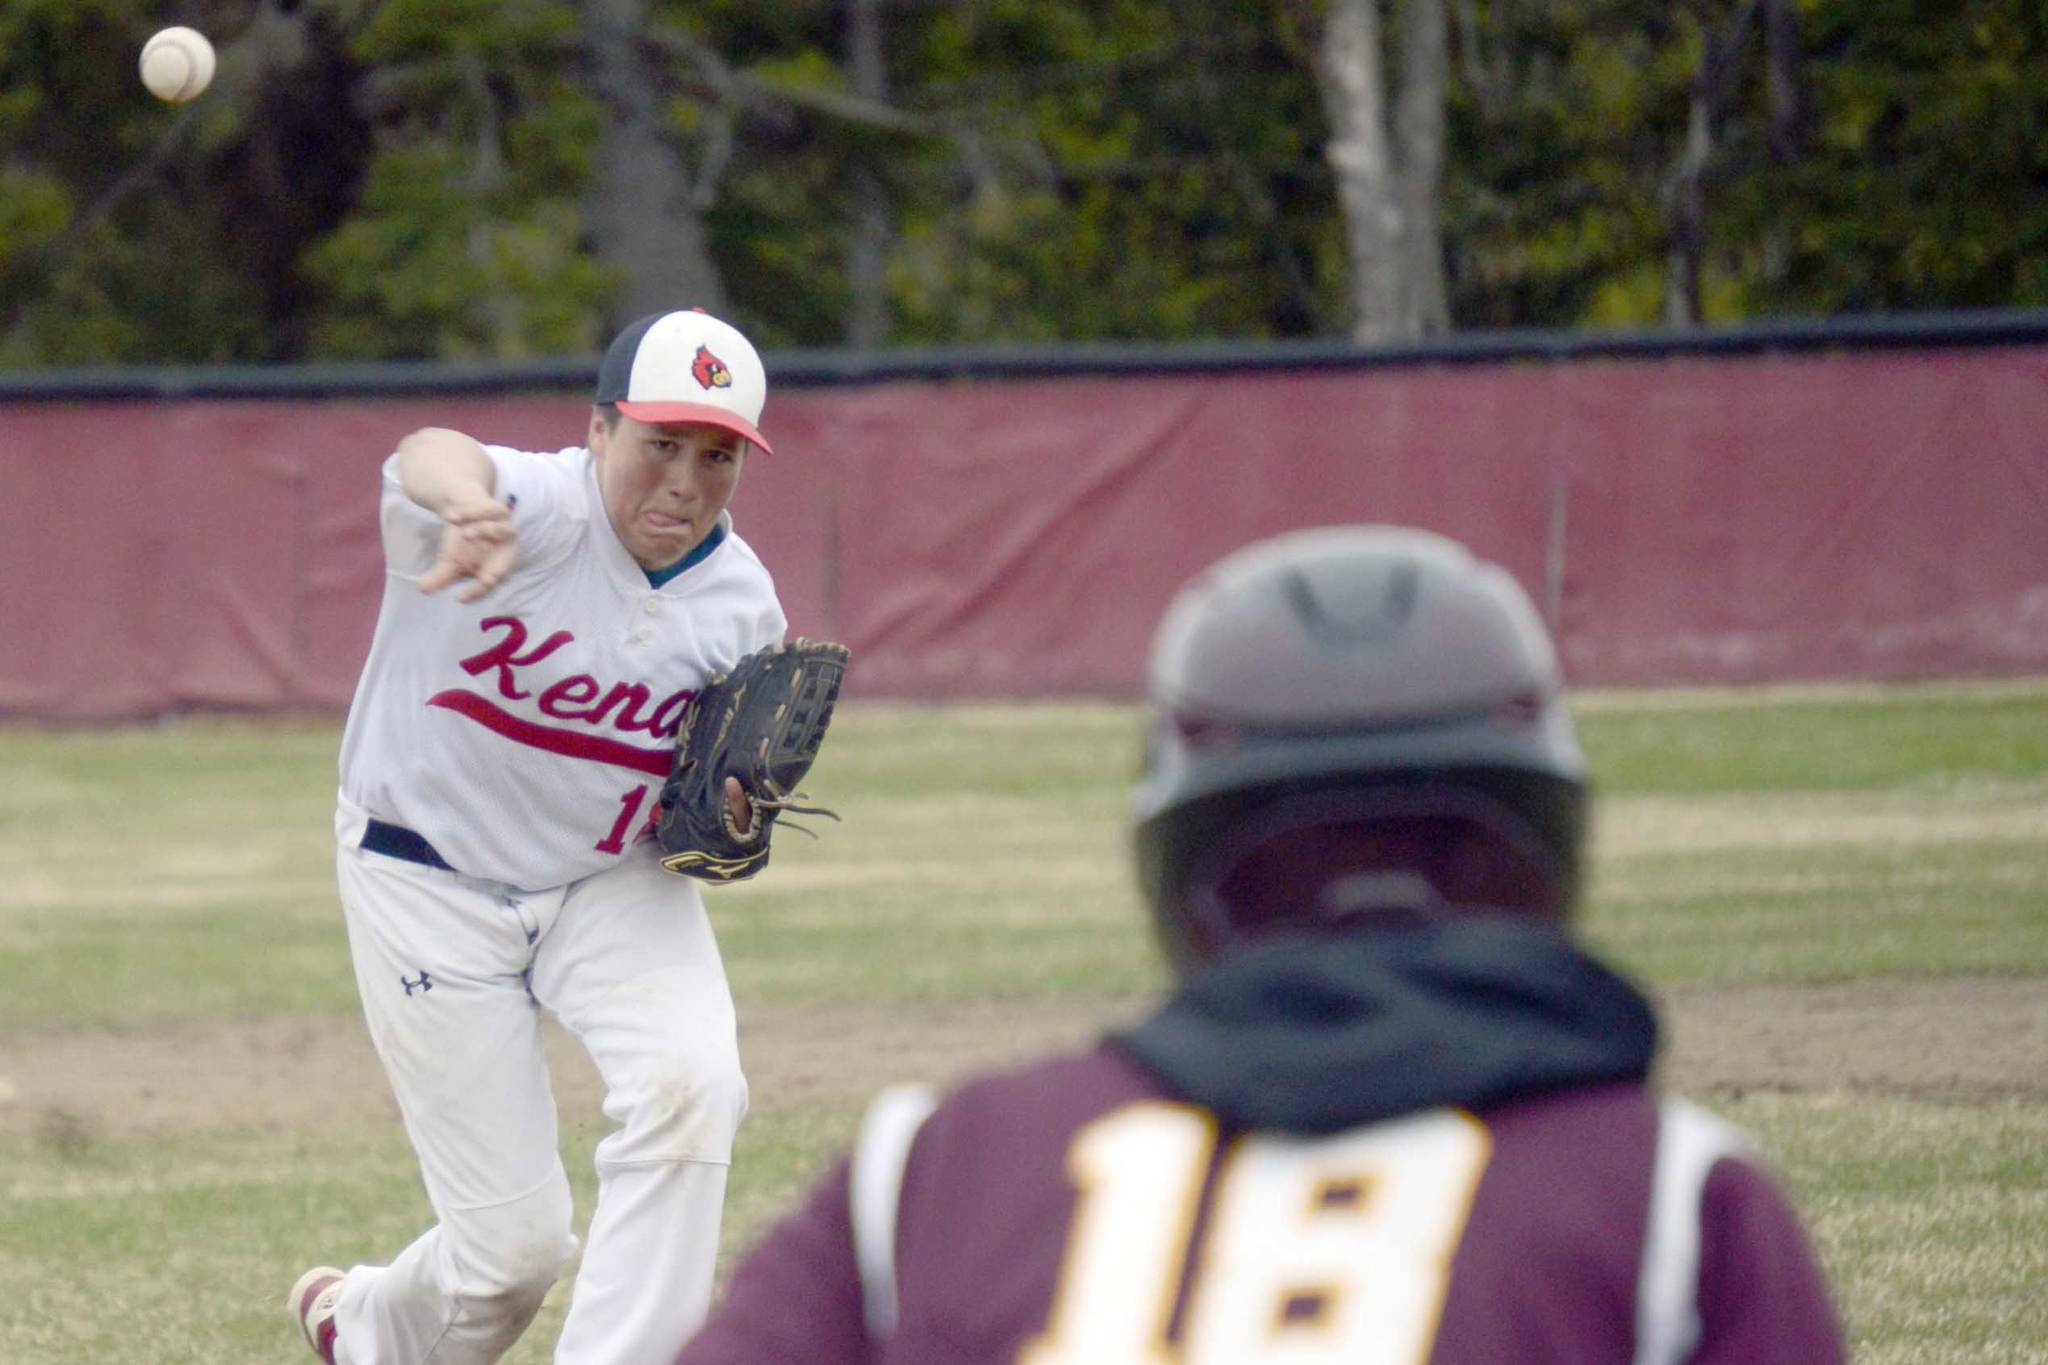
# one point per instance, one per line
(505, 656)
(566, 700)
(568, 743)
(623, 706)
(576, 698)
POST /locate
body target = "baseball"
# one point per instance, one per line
(177, 64)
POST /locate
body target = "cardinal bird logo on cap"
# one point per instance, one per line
(709, 371)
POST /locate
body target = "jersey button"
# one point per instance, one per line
(653, 605)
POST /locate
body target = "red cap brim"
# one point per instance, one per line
(655, 414)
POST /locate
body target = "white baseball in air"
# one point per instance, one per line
(177, 64)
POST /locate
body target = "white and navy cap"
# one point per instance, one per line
(686, 367)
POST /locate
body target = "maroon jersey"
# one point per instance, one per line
(1085, 1210)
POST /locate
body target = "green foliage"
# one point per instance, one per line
(34, 208)
(1076, 171)
(433, 263)
(1930, 183)
(1717, 743)
(468, 237)
(1175, 193)
(413, 177)
(152, 233)
(507, 33)
(1916, 182)
(1560, 139)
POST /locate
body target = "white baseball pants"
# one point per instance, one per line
(453, 973)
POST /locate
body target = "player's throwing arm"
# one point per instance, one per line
(449, 474)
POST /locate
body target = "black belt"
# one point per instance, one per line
(396, 841)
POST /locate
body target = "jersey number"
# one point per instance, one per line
(1323, 1250)
(629, 806)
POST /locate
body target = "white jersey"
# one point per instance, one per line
(526, 735)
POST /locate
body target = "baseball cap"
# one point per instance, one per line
(686, 366)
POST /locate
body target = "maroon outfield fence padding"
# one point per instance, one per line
(1690, 518)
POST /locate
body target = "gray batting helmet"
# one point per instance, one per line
(1347, 720)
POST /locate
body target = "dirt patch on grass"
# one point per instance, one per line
(63, 1085)
(1960, 1041)
(841, 1052)
(1968, 1041)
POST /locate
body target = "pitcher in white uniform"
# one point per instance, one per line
(499, 773)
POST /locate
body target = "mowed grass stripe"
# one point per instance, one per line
(1871, 823)
(1700, 744)
(141, 969)
(1836, 911)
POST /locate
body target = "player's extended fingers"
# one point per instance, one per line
(481, 580)
(736, 803)
(445, 571)
(488, 572)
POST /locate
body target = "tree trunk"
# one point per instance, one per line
(1686, 208)
(1352, 79)
(1419, 123)
(1488, 80)
(1390, 186)
(1685, 195)
(643, 222)
(1788, 113)
(1788, 79)
(867, 247)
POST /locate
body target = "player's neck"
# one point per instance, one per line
(657, 577)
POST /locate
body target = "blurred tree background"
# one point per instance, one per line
(497, 179)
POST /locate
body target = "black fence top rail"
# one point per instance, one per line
(809, 368)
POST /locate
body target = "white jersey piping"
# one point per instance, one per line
(1689, 1142)
(873, 1187)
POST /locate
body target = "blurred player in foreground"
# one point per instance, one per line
(1391, 1114)
(502, 759)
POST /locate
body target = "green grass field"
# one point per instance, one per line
(1839, 897)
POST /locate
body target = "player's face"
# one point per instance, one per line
(664, 486)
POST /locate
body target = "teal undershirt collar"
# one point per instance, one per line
(657, 577)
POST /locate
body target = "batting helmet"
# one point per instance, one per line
(1353, 720)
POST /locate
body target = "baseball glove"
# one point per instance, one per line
(761, 723)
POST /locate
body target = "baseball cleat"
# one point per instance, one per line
(312, 1307)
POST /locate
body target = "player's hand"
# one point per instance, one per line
(736, 802)
(478, 544)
